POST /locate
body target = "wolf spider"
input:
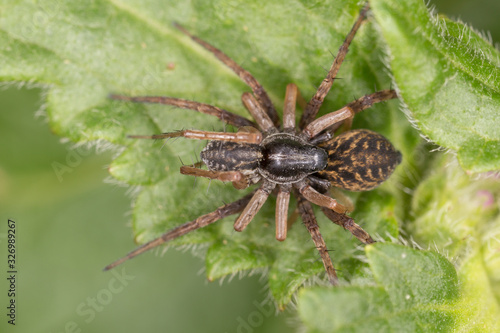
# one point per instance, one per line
(307, 160)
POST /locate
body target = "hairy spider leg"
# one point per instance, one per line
(289, 107)
(258, 113)
(318, 125)
(311, 224)
(200, 222)
(357, 106)
(255, 204)
(348, 223)
(308, 192)
(225, 116)
(367, 101)
(239, 180)
(282, 203)
(240, 137)
(317, 100)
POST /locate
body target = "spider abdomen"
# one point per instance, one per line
(231, 156)
(359, 160)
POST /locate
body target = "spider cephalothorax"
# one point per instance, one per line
(307, 160)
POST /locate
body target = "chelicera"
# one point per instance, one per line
(307, 160)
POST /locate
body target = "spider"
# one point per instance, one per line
(307, 160)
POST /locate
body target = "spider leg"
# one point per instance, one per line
(185, 228)
(258, 199)
(282, 202)
(258, 113)
(363, 103)
(367, 101)
(311, 224)
(318, 98)
(256, 87)
(289, 108)
(240, 137)
(308, 192)
(348, 223)
(239, 180)
(335, 192)
(317, 126)
(226, 116)
(330, 122)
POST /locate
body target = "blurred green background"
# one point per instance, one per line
(69, 228)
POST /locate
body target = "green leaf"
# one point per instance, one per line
(462, 219)
(449, 78)
(415, 291)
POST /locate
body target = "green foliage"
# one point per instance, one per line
(445, 73)
(403, 299)
(448, 77)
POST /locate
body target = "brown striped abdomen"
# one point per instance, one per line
(359, 160)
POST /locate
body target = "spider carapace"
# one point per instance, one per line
(306, 160)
